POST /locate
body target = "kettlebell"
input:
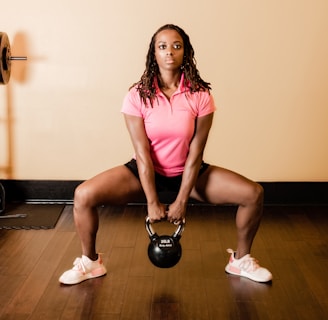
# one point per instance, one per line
(164, 251)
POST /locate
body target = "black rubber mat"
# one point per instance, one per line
(31, 216)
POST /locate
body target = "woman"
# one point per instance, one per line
(168, 114)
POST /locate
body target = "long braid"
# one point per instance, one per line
(146, 84)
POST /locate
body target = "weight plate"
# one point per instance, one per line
(5, 63)
(2, 198)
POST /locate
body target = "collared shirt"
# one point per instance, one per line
(169, 124)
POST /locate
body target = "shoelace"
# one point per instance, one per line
(249, 264)
(78, 265)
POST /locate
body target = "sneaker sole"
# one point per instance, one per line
(245, 275)
(94, 274)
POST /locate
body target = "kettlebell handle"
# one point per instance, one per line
(176, 235)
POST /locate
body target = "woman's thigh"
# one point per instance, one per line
(114, 186)
(221, 186)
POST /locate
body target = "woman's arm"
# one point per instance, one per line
(178, 208)
(135, 126)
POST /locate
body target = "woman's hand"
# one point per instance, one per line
(156, 212)
(176, 212)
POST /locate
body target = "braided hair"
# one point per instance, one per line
(146, 85)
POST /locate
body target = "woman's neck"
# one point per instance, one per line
(169, 81)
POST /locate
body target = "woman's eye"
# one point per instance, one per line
(162, 46)
(177, 46)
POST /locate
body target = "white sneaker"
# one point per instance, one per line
(247, 267)
(84, 269)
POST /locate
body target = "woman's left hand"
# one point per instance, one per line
(176, 212)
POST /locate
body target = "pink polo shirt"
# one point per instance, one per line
(169, 124)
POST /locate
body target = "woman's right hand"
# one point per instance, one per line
(156, 211)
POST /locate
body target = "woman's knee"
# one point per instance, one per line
(84, 196)
(256, 194)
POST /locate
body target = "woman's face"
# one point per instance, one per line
(169, 50)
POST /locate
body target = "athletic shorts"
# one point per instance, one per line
(164, 183)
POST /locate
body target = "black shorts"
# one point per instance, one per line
(164, 183)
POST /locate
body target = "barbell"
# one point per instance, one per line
(5, 70)
(2, 198)
(6, 58)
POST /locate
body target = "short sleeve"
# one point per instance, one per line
(132, 104)
(206, 103)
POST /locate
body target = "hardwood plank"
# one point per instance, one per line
(137, 300)
(315, 278)
(33, 288)
(127, 232)
(113, 292)
(193, 297)
(165, 311)
(319, 216)
(54, 299)
(80, 303)
(141, 265)
(28, 252)
(16, 250)
(52, 302)
(66, 220)
(213, 260)
(220, 299)
(167, 285)
(8, 288)
(99, 316)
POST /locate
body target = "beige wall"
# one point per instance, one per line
(267, 62)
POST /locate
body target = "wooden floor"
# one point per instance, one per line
(292, 243)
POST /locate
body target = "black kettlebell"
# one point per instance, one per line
(164, 251)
